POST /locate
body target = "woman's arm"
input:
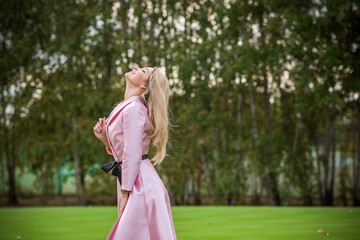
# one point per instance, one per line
(100, 133)
(105, 141)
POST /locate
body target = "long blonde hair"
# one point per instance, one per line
(156, 99)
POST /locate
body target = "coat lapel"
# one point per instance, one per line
(113, 115)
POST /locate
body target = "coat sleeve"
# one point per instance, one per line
(108, 150)
(133, 129)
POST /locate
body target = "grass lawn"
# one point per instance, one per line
(204, 222)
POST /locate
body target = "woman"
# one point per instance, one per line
(144, 210)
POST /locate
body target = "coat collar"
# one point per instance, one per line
(120, 106)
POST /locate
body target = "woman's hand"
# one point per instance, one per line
(123, 200)
(99, 129)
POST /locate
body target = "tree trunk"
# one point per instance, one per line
(318, 168)
(291, 161)
(343, 173)
(59, 178)
(2, 177)
(186, 191)
(10, 158)
(270, 181)
(255, 136)
(10, 163)
(207, 174)
(254, 127)
(356, 162)
(328, 142)
(79, 186)
(333, 163)
(217, 154)
(197, 200)
(171, 195)
(238, 168)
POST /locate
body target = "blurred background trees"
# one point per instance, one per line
(265, 97)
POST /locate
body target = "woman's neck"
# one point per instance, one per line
(130, 93)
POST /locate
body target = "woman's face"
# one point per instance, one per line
(139, 76)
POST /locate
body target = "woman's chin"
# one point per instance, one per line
(127, 75)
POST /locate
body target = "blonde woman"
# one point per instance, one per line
(144, 210)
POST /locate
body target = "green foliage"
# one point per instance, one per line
(255, 87)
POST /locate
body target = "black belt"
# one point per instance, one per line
(117, 168)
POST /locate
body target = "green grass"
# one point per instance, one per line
(206, 222)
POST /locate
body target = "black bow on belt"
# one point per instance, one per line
(117, 167)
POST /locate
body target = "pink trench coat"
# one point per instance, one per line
(147, 214)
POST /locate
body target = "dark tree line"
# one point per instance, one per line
(265, 95)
